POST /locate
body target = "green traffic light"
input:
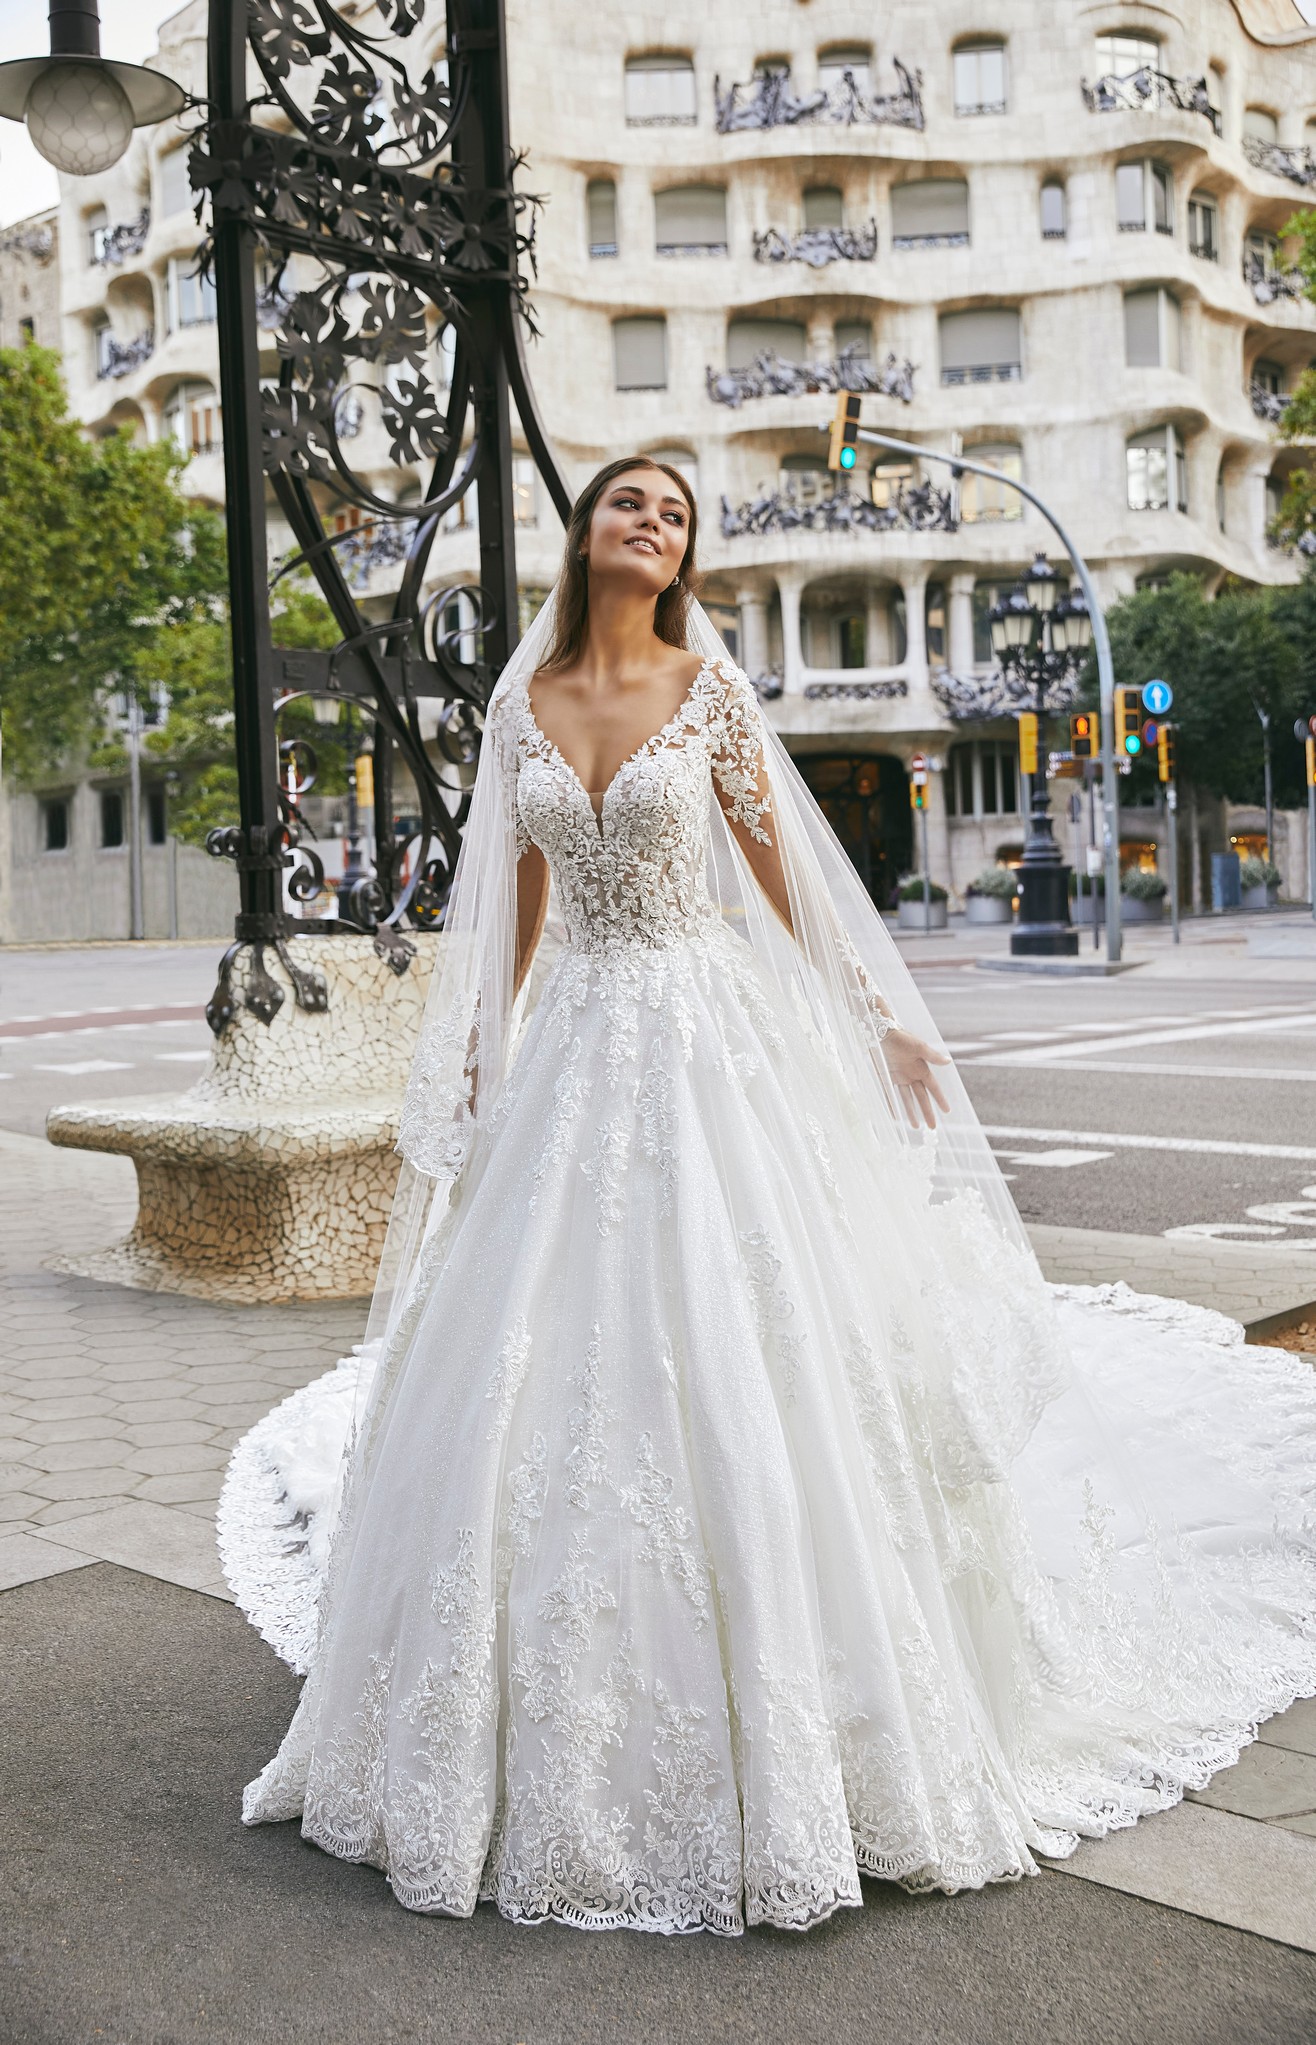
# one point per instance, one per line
(1132, 744)
(847, 457)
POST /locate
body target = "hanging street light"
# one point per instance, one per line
(1041, 636)
(80, 109)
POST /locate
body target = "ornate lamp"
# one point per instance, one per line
(1042, 586)
(1013, 625)
(79, 108)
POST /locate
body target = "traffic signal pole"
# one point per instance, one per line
(1101, 647)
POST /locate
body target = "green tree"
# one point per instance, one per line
(1227, 659)
(1296, 522)
(112, 582)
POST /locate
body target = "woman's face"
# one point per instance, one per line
(638, 532)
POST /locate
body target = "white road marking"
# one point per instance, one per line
(182, 1057)
(1302, 1073)
(1059, 1160)
(1202, 1146)
(77, 1069)
(1230, 1231)
(1298, 1019)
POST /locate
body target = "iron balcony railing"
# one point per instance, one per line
(1137, 91)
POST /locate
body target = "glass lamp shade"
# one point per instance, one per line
(1042, 585)
(1071, 626)
(325, 709)
(1013, 625)
(78, 116)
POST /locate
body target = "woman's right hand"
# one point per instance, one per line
(910, 1061)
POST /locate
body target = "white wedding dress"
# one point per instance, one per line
(741, 1517)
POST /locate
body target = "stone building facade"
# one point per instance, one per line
(1048, 237)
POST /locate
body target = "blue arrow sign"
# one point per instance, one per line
(1157, 697)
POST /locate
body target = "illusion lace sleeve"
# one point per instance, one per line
(739, 766)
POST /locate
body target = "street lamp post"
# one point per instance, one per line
(1040, 637)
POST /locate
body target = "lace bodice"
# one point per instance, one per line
(634, 873)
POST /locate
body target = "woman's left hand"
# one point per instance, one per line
(910, 1062)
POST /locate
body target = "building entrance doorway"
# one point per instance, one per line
(865, 799)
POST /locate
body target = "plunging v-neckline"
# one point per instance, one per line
(654, 739)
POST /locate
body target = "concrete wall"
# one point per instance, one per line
(84, 892)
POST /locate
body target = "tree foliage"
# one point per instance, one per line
(1297, 514)
(1227, 658)
(113, 583)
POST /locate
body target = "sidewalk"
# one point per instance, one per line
(1276, 943)
(118, 1411)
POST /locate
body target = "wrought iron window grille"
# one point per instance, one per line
(1051, 234)
(885, 691)
(768, 685)
(1270, 405)
(1207, 250)
(662, 120)
(1267, 282)
(984, 372)
(817, 246)
(37, 242)
(768, 102)
(603, 248)
(1137, 91)
(690, 248)
(114, 245)
(971, 699)
(771, 376)
(968, 108)
(120, 358)
(1297, 165)
(958, 240)
(912, 507)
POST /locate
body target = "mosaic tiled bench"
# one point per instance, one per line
(272, 1177)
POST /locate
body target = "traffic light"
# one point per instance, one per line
(1311, 763)
(1165, 752)
(842, 450)
(1128, 722)
(1028, 742)
(918, 795)
(1084, 735)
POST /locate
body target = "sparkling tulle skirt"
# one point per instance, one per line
(740, 1518)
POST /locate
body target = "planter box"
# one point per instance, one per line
(985, 908)
(912, 916)
(1080, 911)
(1133, 910)
(1259, 898)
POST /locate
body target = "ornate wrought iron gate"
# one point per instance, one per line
(362, 208)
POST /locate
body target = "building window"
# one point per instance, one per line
(833, 65)
(725, 620)
(1220, 497)
(525, 491)
(176, 195)
(98, 227)
(639, 353)
(934, 620)
(102, 341)
(1121, 54)
(157, 814)
(930, 213)
(690, 220)
(1274, 499)
(748, 339)
(982, 499)
(190, 295)
(1263, 248)
(1267, 376)
(1204, 227)
(980, 78)
(1055, 221)
(28, 328)
(981, 347)
(823, 207)
(55, 824)
(890, 474)
(983, 779)
(804, 477)
(601, 216)
(855, 338)
(112, 831)
(191, 418)
(1260, 125)
(1144, 196)
(1157, 473)
(660, 92)
(1151, 330)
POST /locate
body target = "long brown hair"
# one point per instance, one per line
(673, 609)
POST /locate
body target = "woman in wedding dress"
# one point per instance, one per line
(728, 1507)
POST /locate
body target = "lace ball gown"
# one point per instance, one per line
(690, 1579)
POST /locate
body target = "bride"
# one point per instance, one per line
(728, 1507)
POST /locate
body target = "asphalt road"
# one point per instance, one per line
(1179, 1097)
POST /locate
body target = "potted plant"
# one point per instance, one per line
(1082, 908)
(1144, 896)
(913, 914)
(990, 898)
(1259, 881)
